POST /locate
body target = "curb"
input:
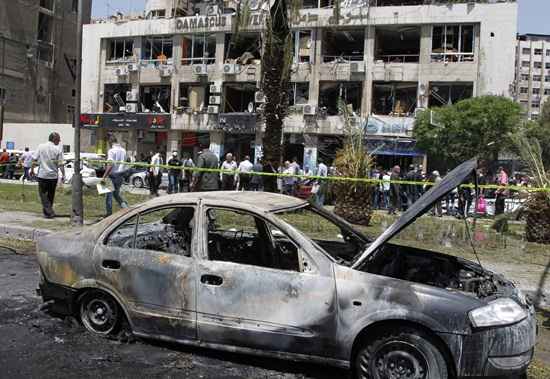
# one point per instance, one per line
(22, 232)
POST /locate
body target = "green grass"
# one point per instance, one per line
(15, 197)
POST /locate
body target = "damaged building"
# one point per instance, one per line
(184, 75)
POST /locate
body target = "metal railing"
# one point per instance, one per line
(402, 58)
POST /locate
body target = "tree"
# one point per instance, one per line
(478, 126)
(276, 64)
(540, 131)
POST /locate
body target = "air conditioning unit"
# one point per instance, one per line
(254, 5)
(230, 68)
(131, 96)
(216, 100)
(212, 10)
(131, 107)
(121, 71)
(310, 110)
(133, 67)
(259, 97)
(166, 71)
(215, 89)
(357, 67)
(200, 69)
(213, 109)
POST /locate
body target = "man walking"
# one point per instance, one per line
(155, 173)
(115, 171)
(228, 178)
(245, 167)
(206, 180)
(26, 162)
(395, 191)
(174, 174)
(50, 160)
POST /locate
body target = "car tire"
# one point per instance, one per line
(100, 313)
(400, 353)
(137, 182)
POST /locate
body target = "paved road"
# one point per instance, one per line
(36, 345)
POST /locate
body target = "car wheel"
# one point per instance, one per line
(100, 313)
(137, 182)
(403, 353)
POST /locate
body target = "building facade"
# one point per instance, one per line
(177, 81)
(532, 73)
(37, 59)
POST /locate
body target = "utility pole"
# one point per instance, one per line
(77, 216)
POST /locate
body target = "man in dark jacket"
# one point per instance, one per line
(174, 174)
(395, 191)
(203, 180)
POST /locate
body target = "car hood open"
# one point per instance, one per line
(452, 180)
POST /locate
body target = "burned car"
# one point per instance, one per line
(273, 275)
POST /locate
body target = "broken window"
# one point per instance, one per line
(198, 49)
(120, 49)
(538, 51)
(349, 92)
(47, 4)
(398, 44)
(343, 45)
(194, 97)
(114, 97)
(156, 13)
(155, 99)
(453, 43)
(394, 98)
(240, 237)
(239, 97)
(44, 52)
(242, 48)
(449, 93)
(299, 93)
(157, 49)
(302, 42)
(45, 28)
(167, 230)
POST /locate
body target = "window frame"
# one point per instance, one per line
(199, 60)
(460, 56)
(292, 101)
(164, 42)
(112, 49)
(299, 249)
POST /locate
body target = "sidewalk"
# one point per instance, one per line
(31, 226)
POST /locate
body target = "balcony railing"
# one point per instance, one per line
(404, 58)
(452, 57)
(342, 58)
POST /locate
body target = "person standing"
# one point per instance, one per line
(322, 171)
(256, 182)
(289, 180)
(395, 191)
(206, 180)
(26, 162)
(502, 193)
(228, 179)
(155, 173)
(386, 177)
(437, 211)
(174, 174)
(245, 167)
(115, 171)
(50, 160)
(4, 159)
(187, 176)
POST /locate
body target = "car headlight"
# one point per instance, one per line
(497, 313)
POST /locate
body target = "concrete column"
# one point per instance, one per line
(174, 138)
(176, 54)
(216, 142)
(316, 37)
(366, 102)
(424, 64)
(310, 151)
(220, 48)
(131, 143)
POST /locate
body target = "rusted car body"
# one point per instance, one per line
(236, 271)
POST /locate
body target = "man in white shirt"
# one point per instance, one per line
(155, 173)
(245, 167)
(115, 171)
(26, 161)
(50, 160)
(322, 170)
(228, 179)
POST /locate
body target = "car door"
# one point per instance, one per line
(254, 292)
(148, 259)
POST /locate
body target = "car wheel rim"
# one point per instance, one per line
(394, 360)
(100, 315)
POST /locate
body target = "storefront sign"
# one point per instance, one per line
(389, 126)
(355, 15)
(237, 122)
(216, 22)
(125, 120)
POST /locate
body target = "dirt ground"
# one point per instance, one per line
(35, 344)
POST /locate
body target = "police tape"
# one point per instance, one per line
(333, 178)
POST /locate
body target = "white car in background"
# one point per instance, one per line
(139, 180)
(88, 173)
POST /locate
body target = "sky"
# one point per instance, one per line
(533, 14)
